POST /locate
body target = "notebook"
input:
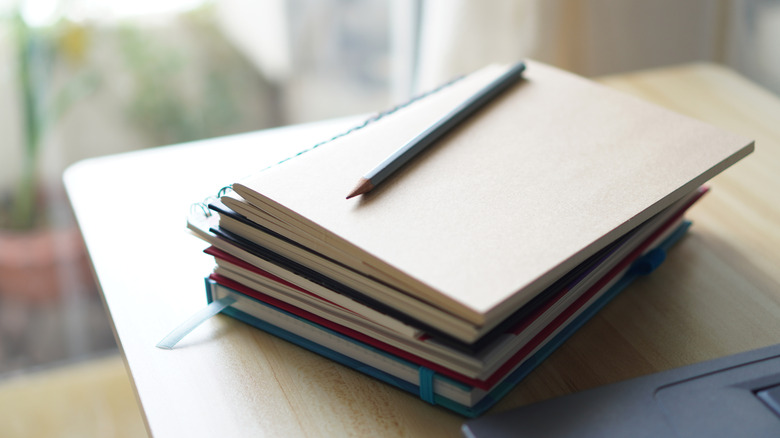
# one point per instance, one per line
(543, 178)
(252, 262)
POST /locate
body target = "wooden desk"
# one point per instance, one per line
(718, 292)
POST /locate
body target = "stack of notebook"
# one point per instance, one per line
(458, 275)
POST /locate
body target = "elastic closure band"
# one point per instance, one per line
(648, 262)
(426, 385)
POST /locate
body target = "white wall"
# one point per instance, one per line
(597, 37)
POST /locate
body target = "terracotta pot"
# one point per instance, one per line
(37, 265)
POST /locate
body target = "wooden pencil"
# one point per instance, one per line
(434, 132)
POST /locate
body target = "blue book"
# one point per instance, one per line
(403, 373)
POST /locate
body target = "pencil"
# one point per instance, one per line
(426, 138)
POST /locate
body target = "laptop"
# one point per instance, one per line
(737, 395)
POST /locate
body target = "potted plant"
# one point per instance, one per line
(33, 250)
(180, 82)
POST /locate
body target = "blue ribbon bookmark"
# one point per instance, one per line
(193, 321)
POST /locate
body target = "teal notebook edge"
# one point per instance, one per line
(643, 265)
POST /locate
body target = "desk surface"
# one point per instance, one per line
(718, 292)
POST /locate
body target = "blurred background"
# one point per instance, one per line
(82, 78)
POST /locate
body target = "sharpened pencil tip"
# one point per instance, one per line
(364, 186)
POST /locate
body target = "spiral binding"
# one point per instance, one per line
(202, 207)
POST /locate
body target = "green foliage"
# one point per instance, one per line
(175, 83)
(37, 52)
(162, 105)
